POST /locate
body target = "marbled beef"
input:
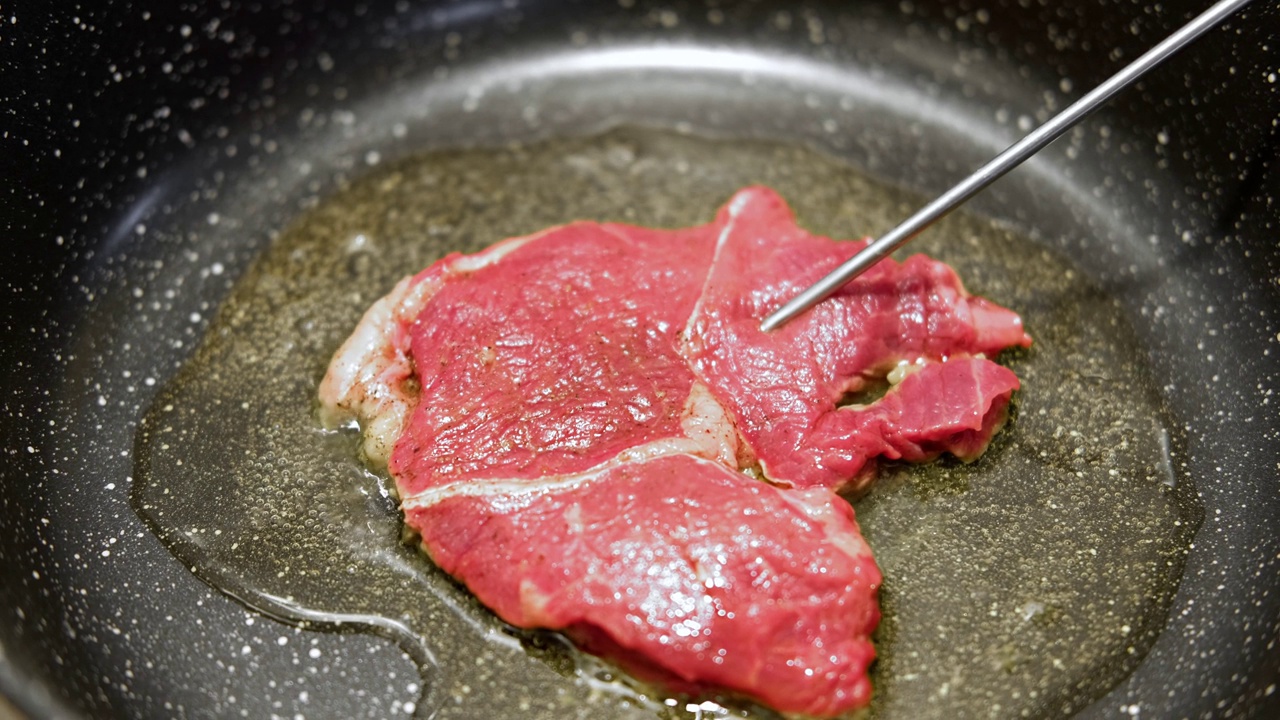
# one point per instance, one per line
(783, 388)
(578, 423)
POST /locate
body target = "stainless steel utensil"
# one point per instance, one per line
(1012, 157)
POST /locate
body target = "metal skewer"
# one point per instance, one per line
(1001, 164)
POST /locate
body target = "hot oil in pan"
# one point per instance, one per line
(1026, 583)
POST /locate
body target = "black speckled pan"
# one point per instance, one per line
(199, 200)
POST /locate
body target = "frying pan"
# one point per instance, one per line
(146, 144)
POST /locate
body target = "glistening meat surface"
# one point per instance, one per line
(783, 388)
(683, 571)
(577, 422)
(555, 359)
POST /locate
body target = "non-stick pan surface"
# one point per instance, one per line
(153, 151)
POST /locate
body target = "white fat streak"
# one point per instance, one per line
(494, 253)
(817, 505)
(735, 208)
(706, 422)
(518, 493)
(711, 436)
(523, 491)
(511, 494)
(715, 420)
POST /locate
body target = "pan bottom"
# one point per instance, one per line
(1025, 584)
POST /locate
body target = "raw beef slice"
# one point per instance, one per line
(577, 422)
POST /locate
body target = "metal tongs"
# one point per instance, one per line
(1015, 155)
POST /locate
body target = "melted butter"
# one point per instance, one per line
(1024, 584)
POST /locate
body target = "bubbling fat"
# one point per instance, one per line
(370, 378)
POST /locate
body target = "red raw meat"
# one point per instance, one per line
(554, 359)
(686, 573)
(782, 388)
(576, 421)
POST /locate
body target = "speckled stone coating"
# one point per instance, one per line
(594, 412)
(153, 151)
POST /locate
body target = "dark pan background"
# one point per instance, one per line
(117, 121)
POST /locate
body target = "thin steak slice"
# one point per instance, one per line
(686, 573)
(568, 417)
(556, 358)
(549, 353)
(783, 389)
